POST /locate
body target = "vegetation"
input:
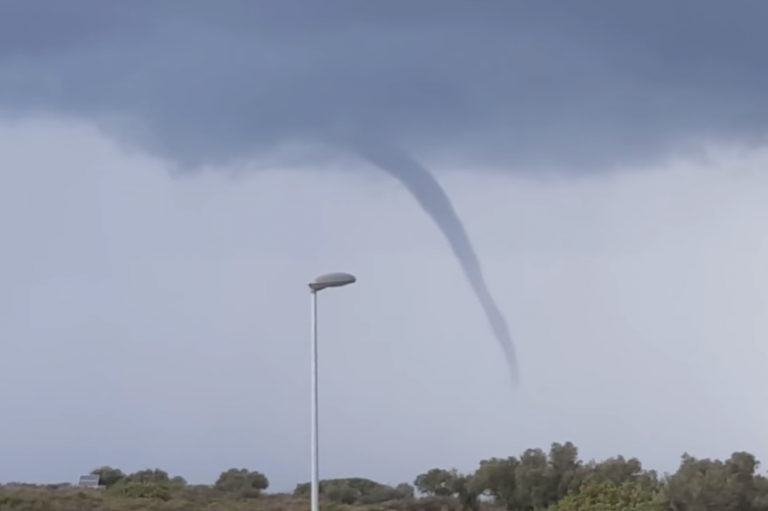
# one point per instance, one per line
(557, 480)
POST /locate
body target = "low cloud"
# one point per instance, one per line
(576, 87)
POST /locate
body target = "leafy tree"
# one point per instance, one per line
(608, 496)
(149, 476)
(357, 490)
(437, 482)
(178, 482)
(565, 472)
(532, 480)
(108, 476)
(496, 478)
(405, 491)
(385, 493)
(703, 484)
(242, 481)
(466, 491)
(620, 470)
(449, 483)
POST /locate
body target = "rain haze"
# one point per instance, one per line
(173, 174)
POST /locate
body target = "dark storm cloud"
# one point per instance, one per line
(576, 85)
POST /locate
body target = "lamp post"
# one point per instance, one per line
(317, 285)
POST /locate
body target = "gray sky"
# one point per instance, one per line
(155, 318)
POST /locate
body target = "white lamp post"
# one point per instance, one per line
(320, 283)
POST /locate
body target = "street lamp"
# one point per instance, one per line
(320, 283)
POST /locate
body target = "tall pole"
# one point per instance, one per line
(323, 281)
(315, 483)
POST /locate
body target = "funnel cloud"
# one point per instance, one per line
(433, 199)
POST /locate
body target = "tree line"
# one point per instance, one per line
(156, 483)
(535, 480)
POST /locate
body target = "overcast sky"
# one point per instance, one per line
(161, 215)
